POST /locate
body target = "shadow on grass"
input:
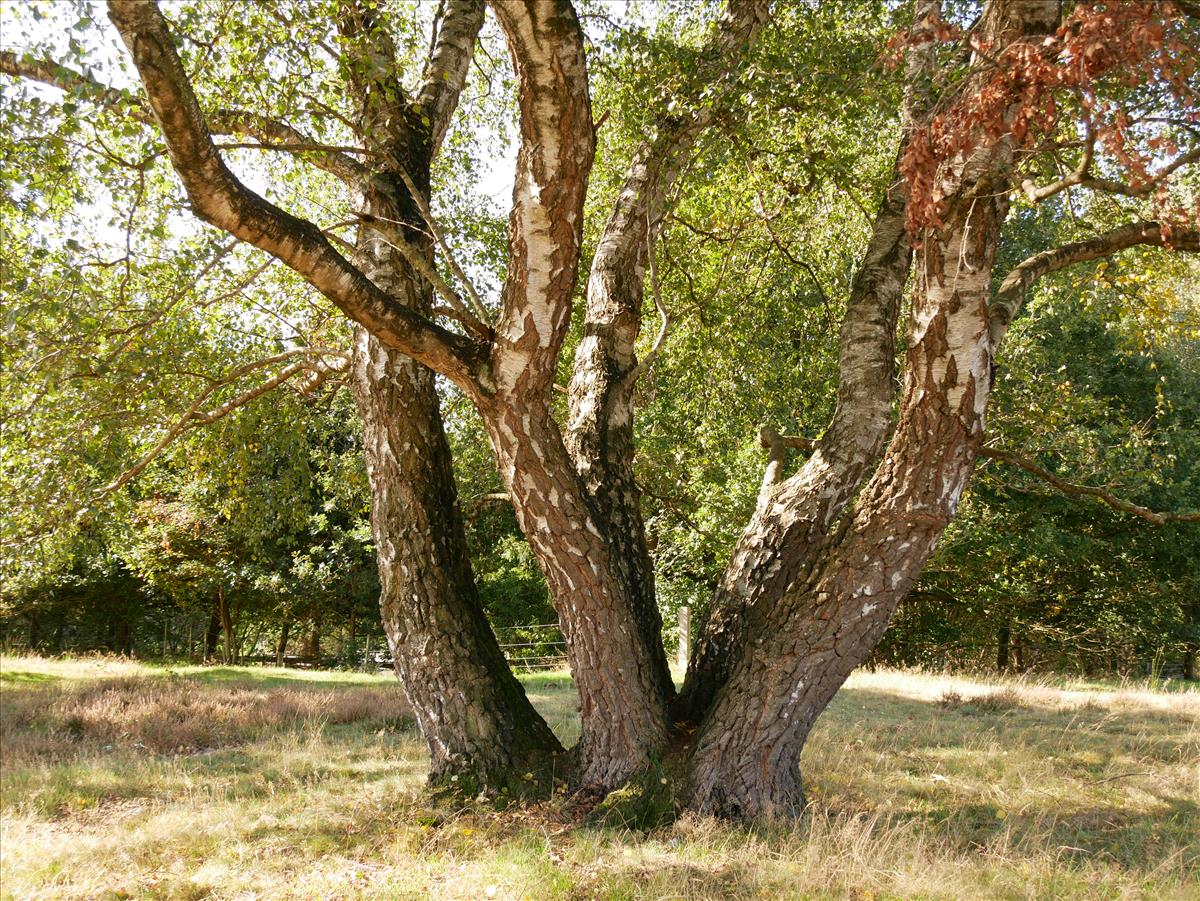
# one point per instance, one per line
(272, 677)
(1023, 726)
(1083, 781)
(293, 762)
(1015, 773)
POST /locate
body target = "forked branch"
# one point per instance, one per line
(457, 309)
(220, 199)
(1080, 176)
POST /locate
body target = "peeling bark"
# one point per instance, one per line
(473, 713)
(745, 760)
(600, 429)
(618, 674)
(622, 708)
(829, 553)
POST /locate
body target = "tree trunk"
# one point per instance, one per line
(281, 646)
(815, 578)
(600, 425)
(1003, 642)
(471, 709)
(480, 728)
(312, 643)
(213, 635)
(746, 759)
(815, 631)
(226, 626)
(617, 678)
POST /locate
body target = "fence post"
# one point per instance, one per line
(685, 638)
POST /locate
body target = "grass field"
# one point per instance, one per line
(122, 780)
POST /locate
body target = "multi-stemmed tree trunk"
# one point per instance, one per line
(833, 605)
(829, 553)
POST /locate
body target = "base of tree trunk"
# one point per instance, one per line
(530, 769)
(750, 792)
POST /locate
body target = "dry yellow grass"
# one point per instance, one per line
(309, 786)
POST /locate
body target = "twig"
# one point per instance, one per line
(644, 364)
(395, 240)
(426, 214)
(1115, 778)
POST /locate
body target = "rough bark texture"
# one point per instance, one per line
(471, 710)
(794, 516)
(480, 727)
(622, 700)
(622, 710)
(600, 429)
(805, 644)
(825, 560)
(745, 760)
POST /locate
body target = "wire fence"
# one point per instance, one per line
(536, 646)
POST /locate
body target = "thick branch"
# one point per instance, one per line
(794, 515)
(1100, 494)
(777, 447)
(219, 198)
(446, 71)
(1010, 297)
(769, 439)
(600, 431)
(546, 225)
(272, 133)
(615, 283)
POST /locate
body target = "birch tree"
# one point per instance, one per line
(830, 551)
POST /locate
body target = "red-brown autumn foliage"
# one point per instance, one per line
(1111, 85)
